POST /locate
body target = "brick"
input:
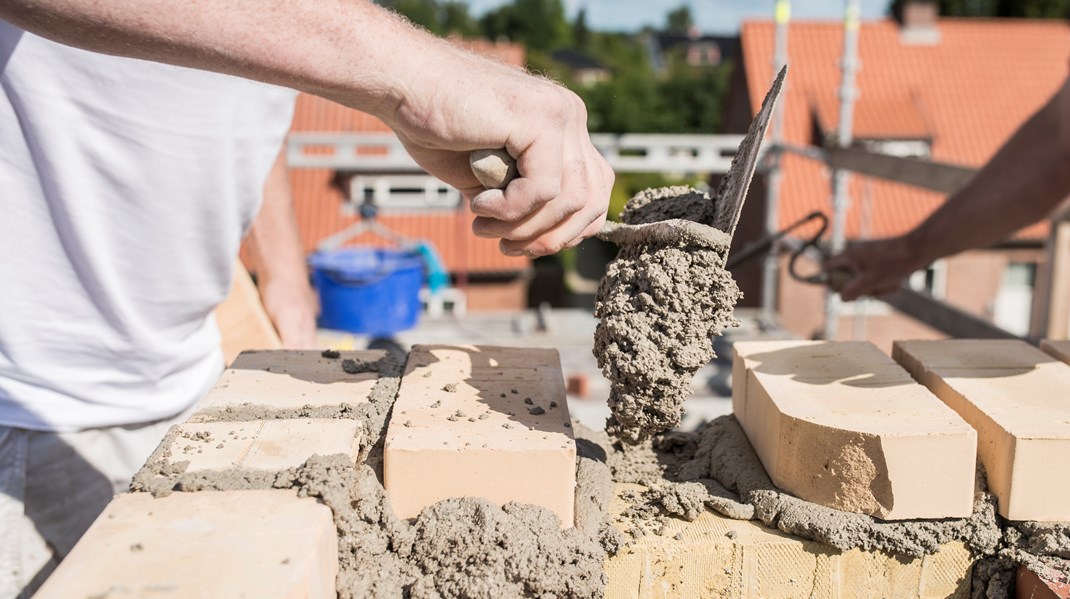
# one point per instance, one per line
(488, 422)
(1028, 585)
(1018, 399)
(1057, 348)
(714, 556)
(262, 444)
(842, 425)
(264, 544)
(289, 379)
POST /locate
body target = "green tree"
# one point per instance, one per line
(421, 12)
(696, 96)
(441, 18)
(679, 20)
(581, 35)
(538, 24)
(456, 19)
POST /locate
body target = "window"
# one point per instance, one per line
(932, 280)
(1014, 300)
(903, 148)
(402, 192)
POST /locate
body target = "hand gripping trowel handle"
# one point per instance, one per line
(495, 169)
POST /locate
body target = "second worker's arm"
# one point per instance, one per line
(1024, 182)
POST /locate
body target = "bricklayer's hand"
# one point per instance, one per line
(562, 194)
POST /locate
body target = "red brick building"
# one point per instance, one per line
(952, 92)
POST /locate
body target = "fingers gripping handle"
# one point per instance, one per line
(494, 168)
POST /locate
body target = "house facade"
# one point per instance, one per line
(949, 90)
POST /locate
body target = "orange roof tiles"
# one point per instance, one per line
(968, 92)
(319, 205)
(874, 118)
(319, 215)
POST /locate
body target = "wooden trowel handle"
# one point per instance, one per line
(494, 168)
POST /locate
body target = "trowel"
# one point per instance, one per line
(656, 225)
(495, 169)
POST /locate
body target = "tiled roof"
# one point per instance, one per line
(319, 205)
(968, 92)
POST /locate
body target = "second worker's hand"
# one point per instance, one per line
(874, 267)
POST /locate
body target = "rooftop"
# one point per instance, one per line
(967, 93)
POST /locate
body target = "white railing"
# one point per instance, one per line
(627, 153)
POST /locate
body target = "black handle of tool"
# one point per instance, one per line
(763, 245)
(835, 279)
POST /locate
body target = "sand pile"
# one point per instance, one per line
(659, 304)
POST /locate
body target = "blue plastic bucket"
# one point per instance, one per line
(369, 291)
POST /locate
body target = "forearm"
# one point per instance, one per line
(279, 261)
(325, 47)
(440, 100)
(1024, 182)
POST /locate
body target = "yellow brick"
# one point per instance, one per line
(289, 379)
(262, 444)
(1018, 399)
(761, 563)
(842, 425)
(488, 422)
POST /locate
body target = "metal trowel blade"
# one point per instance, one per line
(733, 189)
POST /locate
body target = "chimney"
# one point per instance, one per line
(917, 21)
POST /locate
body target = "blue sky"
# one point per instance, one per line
(711, 16)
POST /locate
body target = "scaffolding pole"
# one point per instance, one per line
(841, 178)
(782, 14)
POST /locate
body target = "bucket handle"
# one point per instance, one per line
(372, 279)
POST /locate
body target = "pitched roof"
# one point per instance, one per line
(318, 203)
(968, 92)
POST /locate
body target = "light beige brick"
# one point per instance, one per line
(1018, 399)
(262, 444)
(715, 556)
(263, 544)
(842, 425)
(487, 422)
(1058, 348)
(288, 379)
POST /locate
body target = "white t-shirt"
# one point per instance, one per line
(125, 189)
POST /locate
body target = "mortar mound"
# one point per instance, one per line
(659, 304)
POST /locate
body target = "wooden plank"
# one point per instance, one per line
(944, 317)
(242, 321)
(936, 176)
